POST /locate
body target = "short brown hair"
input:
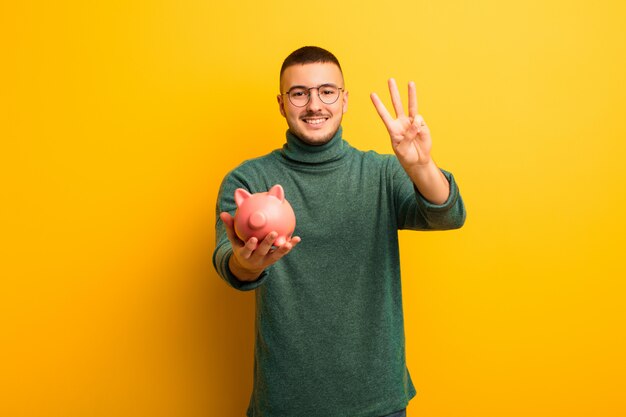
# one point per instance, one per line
(309, 55)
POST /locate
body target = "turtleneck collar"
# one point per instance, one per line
(296, 150)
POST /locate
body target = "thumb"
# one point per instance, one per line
(227, 218)
(413, 130)
(229, 222)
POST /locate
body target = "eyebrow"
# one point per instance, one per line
(316, 86)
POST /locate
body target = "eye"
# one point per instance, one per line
(328, 91)
(298, 92)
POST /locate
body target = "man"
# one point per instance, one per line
(329, 326)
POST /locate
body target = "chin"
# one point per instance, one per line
(316, 138)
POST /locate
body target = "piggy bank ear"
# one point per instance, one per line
(240, 196)
(278, 192)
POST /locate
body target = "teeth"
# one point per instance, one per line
(315, 121)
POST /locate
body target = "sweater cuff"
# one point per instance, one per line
(220, 260)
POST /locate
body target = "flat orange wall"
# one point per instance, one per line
(118, 120)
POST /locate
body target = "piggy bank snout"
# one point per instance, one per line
(257, 220)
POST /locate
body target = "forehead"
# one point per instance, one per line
(311, 75)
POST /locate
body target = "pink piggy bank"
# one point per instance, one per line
(261, 213)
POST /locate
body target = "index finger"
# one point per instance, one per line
(381, 109)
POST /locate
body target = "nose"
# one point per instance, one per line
(314, 104)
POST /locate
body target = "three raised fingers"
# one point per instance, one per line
(397, 103)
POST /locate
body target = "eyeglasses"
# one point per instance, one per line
(299, 96)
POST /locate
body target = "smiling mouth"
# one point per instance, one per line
(315, 120)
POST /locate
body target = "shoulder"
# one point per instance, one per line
(252, 174)
(250, 167)
(387, 164)
(255, 163)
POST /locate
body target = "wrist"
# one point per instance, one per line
(241, 272)
(420, 169)
(430, 182)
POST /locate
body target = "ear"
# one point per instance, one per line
(241, 195)
(345, 101)
(281, 105)
(278, 192)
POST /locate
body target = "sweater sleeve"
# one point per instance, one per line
(415, 212)
(223, 248)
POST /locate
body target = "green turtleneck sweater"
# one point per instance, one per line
(329, 326)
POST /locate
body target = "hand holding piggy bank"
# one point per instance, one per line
(261, 213)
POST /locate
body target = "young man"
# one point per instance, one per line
(329, 326)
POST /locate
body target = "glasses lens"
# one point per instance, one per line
(328, 94)
(298, 96)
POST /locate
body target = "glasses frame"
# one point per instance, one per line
(308, 97)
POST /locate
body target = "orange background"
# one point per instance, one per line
(119, 119)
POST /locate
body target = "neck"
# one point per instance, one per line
(298, 150)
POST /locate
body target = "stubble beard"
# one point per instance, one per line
(318, 141)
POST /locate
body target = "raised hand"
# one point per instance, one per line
(411, 142)
(410, 137)
(251, 258)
